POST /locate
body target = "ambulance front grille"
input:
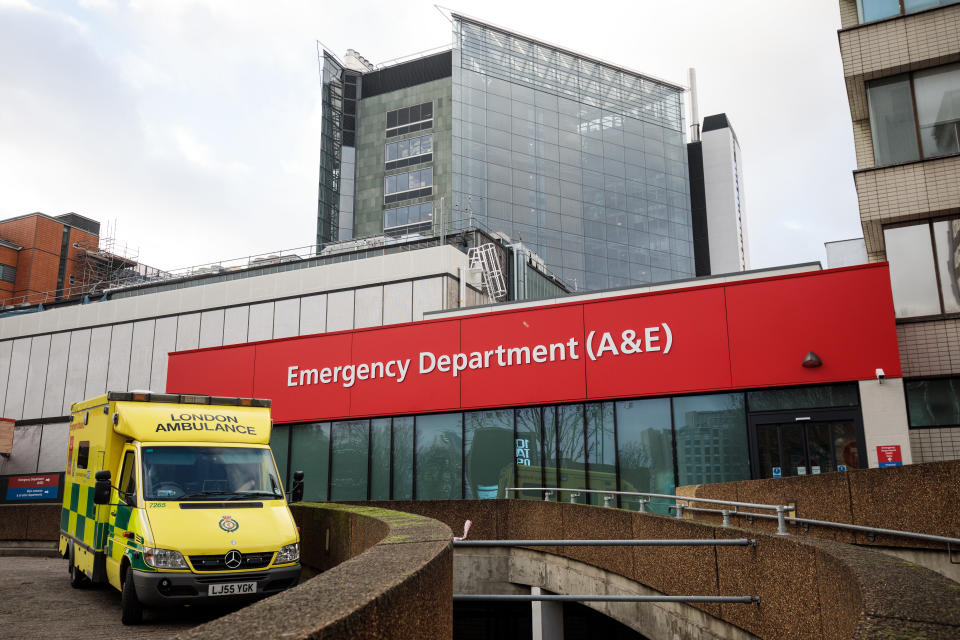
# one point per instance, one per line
(219, 563)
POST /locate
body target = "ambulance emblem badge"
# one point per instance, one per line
(228, 524)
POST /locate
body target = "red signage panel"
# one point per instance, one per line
(656, 344)
(406, 352)
(845, 317)
(722, 336)
(533, 356)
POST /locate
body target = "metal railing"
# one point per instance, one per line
(502, 597)
(781, 513)
(608, 498)
(616, 542)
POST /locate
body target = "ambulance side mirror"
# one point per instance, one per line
(101, 490)
(296, 494)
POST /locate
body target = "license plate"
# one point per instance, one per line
(231, 588)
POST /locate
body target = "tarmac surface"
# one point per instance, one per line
(37, 602)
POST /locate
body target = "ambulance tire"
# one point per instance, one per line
(77, 579)
(131, 611)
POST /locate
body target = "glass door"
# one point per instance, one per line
(807, 444)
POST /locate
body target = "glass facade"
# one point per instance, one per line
(870, 10)
(583, 162)
(923, 268)
(933, 403)
(644, 445)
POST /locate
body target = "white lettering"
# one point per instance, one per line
(325, 375)
(443, 363)
(650, 339)
(292, 376)
(539, 353)
(459, 363)
(433, 362)
(309, 376)
(607, 344)
(404, 365)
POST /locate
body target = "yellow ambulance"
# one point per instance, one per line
(175, 499)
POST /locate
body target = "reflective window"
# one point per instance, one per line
(310, 453)
(572, 453)
(711, 434)
(946, 238)
(870, 10)
(601, 449)
(408, 152)
(933, 403)
(415, 214)
(529, 452)
(912, 275)
(403, 186)
(409, 119)
(645, 449)
(439, 456)
(403, 458)
(380, 459)
(348, 477)
(813, 397)
(489, 451)
(280, 445)
(937, 93)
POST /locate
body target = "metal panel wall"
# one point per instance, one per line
(286, 318)
(427, 296)
(368, 307)
(164, 341)
(97, 362)
(53, 447)
(313, 314)
(340, 311)
(118, 372)
(261, 322)
(26, 450)
(56, 374)
(36, 377)
(188, 331)
(141, 355)
(235, 321)
(398, 303)
(17, 384)
(211, 328)
(75, 389)
(6, 349)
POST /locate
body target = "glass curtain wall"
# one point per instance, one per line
(583, 162)
(645, 445)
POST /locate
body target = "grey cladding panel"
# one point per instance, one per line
(427, 296)
(398, 303)
(340, 311)
(53, 447)
(56, 375)
(6, 349)
(188, 331)
(17, 384)
(141, 355)
(313, 314)
(97, 362)
(75, 390)
(211, 328)
(235, 320)
(286, 318)
(36, 377)
(26, 450)
(369, 307)
(164, 341)
(118, 372)
(261, 322)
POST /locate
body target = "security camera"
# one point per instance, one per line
(880, 375)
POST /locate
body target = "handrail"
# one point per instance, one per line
(616, 542)
(780, 509)
(839, 525)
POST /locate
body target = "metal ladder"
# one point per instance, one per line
(484, 258)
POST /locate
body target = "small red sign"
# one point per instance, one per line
(41, 480)
(889, 453)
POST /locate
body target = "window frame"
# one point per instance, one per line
(906, 402)
(929, 222)
(902, 12)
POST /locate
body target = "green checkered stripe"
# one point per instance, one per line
(78, 517)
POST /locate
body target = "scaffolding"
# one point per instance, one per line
(484, 259)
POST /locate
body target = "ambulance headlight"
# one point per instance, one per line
(289, 553)
(163, 558)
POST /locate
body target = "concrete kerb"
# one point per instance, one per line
(383, 574)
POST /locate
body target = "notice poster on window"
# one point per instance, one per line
(38, 487)
(888, 455)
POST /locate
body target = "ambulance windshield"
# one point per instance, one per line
(209, 473)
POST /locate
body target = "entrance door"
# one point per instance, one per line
(807, 443)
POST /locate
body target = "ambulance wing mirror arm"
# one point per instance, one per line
(101, 490)
(296, 492)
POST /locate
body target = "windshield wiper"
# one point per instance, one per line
(260, 494)
(231, 495)
(207, 494)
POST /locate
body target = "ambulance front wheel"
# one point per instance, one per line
(131, 611)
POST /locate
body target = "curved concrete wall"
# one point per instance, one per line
(808, 588)
(384, 574)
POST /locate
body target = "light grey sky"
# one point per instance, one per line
(194, 125)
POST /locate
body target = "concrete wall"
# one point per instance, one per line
(53, 358)
(726, 208)
(884, 417)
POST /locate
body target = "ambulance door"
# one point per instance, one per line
(122, 508)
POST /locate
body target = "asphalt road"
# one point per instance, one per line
(37, 602)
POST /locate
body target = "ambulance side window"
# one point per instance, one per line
(83, 454)
(128, 480)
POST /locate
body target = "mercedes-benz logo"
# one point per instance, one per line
(233, 559)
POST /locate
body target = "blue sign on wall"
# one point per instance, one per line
(776, 472)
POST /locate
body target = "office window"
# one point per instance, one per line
(351, 442)
(870, 10)
(409, 119)
(645, 449)
(700, 419)
(402, 458)
(404, 186)
(894, 121)
(310, 453)
(380, 459)
(404, 153)
(601, 449)
(488, 453)
(933, 403)
(923, 271)
(439, 456)
(407, 218)
(280, 445)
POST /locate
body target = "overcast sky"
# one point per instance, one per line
(194, 126)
